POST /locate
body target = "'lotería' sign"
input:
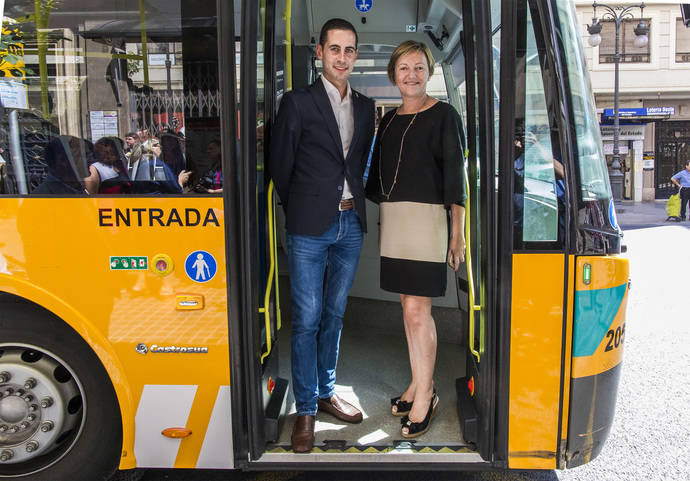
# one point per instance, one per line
(642, 112)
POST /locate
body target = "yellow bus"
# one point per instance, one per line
(143, 315)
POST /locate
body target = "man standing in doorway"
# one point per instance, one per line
(682, 180)
(319, 147)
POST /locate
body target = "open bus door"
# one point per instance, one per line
(477, 101)
(258, 390)
(260, 395)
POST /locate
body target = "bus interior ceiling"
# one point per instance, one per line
(373, 363)
(438, 23)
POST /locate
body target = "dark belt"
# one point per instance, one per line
(348, 204)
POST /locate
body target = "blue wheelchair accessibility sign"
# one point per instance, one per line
(363, 5)
(200, 266)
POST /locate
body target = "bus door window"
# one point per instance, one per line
(539, 184)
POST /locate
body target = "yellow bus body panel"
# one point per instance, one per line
(98, 343)
(536, 332)
(56, 252)
(608, 275)
(568, 354)
(601, 294)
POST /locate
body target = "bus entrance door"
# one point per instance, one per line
(262, 390)
(473, 96)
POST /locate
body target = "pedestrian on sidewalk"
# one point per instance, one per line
(682, 180)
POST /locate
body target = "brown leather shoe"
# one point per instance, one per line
(303, 434)
(341, 409)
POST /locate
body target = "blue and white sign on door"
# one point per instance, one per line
(200, 266)
(363, 5)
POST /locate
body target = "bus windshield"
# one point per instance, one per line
(593, 173)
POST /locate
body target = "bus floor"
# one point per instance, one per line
(373, 366)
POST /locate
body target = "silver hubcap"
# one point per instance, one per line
(40, 403)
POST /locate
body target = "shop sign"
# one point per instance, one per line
(627, 132)
(642, 112)
(622, 149)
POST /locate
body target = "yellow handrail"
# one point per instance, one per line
(271, 273)
(272, 229)
(272, 206)
(472, 307)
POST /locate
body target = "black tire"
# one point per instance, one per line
(92, 451)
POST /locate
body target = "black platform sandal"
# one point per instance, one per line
(417, 429)
(403, 407)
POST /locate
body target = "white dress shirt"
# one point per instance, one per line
(345, 117)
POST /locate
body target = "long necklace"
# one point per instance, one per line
(402, 142)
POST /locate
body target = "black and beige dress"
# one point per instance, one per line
(414, 214)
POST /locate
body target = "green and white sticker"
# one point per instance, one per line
(129, 263)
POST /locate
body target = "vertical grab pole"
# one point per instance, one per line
(271, 274)
(287, 16)
(144, 48)
(279, 322)
(16, 153)
(470, 280)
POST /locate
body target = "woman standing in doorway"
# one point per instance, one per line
(416, 177)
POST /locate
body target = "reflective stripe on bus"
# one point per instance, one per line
(165, 406)
(216, 452)
(160, 407)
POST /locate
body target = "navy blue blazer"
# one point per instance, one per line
(306, 159)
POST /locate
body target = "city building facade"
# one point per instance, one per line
(654, 93)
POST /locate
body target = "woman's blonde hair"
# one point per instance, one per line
(403, 49)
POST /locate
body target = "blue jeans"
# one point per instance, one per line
(322, 269)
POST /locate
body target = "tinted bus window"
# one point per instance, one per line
(539, 185)
(593, 173)
(119, 98)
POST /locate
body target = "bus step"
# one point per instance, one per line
(467, 412)
(274, 409)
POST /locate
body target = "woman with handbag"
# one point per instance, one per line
(416, 177)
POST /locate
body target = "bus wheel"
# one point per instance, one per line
(59, 417)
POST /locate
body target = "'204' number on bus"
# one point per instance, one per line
(616, 338)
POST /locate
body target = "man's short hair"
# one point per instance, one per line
(132, 134)
(403, 49)
(687, 162)
(336, 24)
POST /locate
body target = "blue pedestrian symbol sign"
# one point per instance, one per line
(363, 5)
(200, 266)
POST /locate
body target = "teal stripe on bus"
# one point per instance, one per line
(595, 310)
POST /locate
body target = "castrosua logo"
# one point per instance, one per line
(142, 348)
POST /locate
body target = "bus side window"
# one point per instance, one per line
(67, 160)
(145, 99)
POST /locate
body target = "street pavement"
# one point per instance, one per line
(650, 437)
